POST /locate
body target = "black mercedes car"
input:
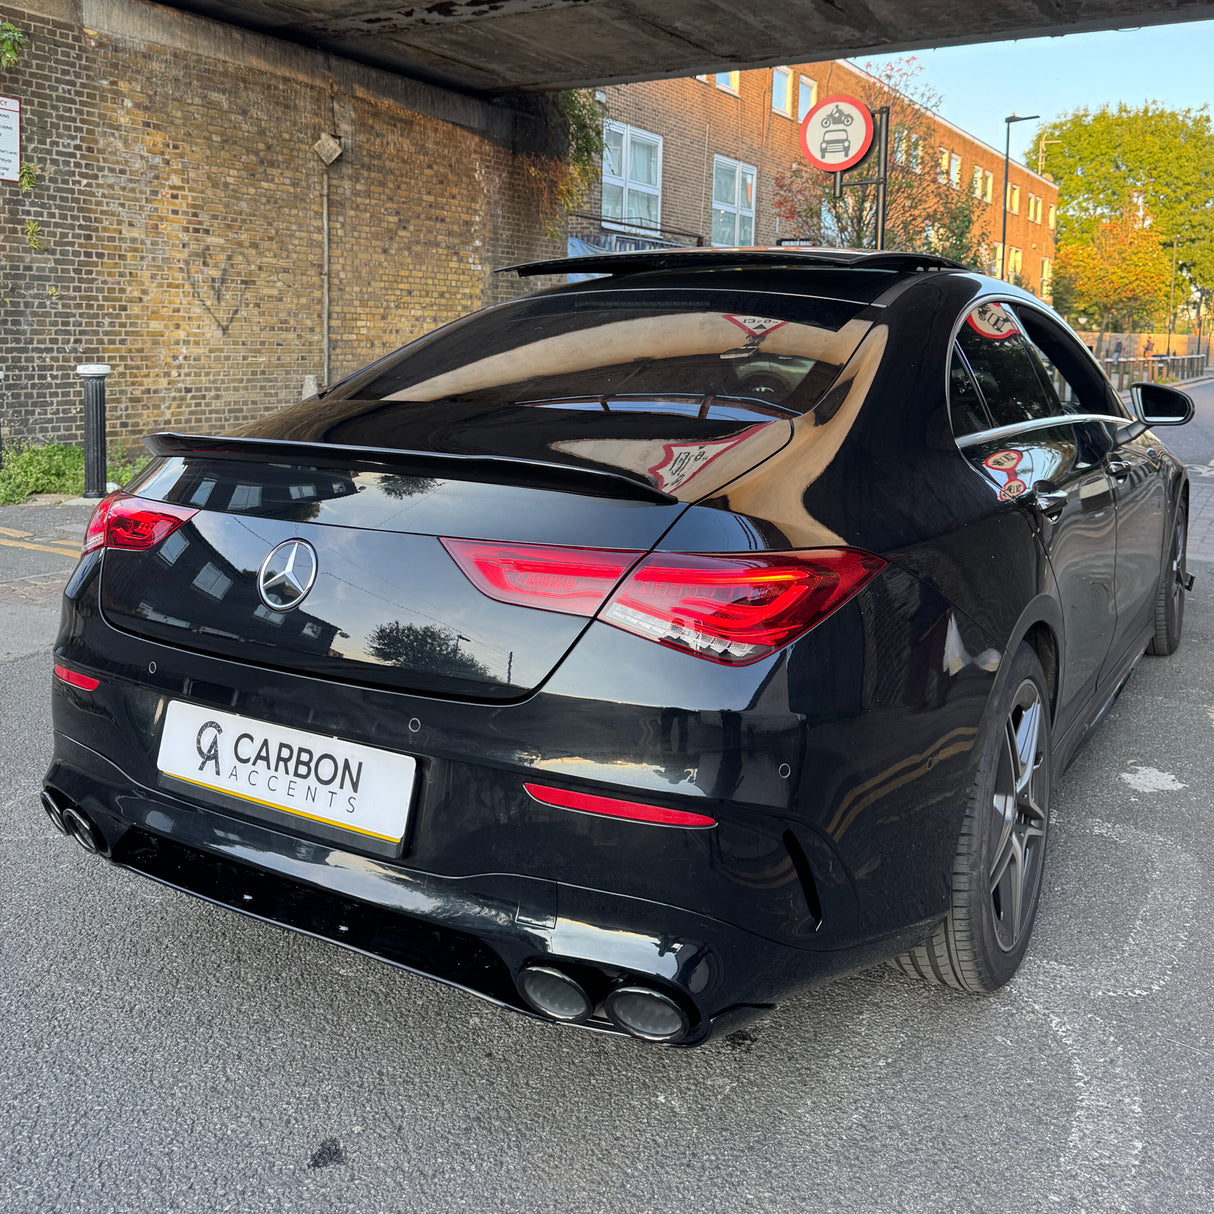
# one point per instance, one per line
(637, 652)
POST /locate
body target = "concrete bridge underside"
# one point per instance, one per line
(498, 46)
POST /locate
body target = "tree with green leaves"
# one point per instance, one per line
(1148, 162)
(925, 209)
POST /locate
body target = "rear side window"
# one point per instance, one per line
(965, 404)
(707, 353)
(1005, 367)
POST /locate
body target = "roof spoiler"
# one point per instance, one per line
(707, 259)
(538, 474)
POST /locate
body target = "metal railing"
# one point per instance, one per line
(1159, 369)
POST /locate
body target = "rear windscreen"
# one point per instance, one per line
(711, 353)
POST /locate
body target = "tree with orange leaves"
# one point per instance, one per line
(1120, 275)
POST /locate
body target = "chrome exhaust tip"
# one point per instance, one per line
(84, 831)
(53, 811)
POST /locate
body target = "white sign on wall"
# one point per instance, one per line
(10, 138)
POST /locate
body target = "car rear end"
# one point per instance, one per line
(426, 670)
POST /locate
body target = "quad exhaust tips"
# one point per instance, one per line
(637, 1009)
(71, 820)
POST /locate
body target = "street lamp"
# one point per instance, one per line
(1007, 155)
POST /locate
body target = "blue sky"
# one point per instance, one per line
(1172, 64)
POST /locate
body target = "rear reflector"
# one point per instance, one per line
(731, 608)
(76, 679)
(123, 521)
(563, 798)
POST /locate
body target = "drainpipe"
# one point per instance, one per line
(324, 275)
(328, 148)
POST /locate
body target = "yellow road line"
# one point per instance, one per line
(299, 813)
(70, 552)
(16, 535)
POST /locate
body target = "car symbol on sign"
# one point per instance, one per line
(835, 144)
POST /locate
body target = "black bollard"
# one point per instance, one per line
(93, 375)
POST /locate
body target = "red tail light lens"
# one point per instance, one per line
(739, 608)
(122, 521)
(572, 580)
(587, 803)
(733, 608)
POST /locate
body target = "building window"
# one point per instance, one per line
(988, 187)
(1035, 208)
(1047, 279)
(942, 171)
(954, 171)
(632, 176)
(1053, 216)
(977, 181)
(781, 90)
(807, 96)
(733, 202)
(728, 81)
(1013, 198)
(1015, 261)
(995, 265)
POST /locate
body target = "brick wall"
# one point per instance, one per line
(697, 121)
(180, 208)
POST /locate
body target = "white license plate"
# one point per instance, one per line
(358, 788)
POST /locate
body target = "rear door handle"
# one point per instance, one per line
(1118, 469)
(1051, 503)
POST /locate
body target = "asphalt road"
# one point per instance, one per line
(159, 1054)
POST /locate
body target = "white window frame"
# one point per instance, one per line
(1013, 198)
(618, 225)
(1053, 223)
(736, 207)
(1047, 278)
(988, 186)
(813, 94)
(789, 76)
(714, 78)
(954, 170)
(977, 182)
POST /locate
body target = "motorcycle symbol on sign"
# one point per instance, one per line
(837, 117)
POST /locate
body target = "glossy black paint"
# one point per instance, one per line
(837, 768)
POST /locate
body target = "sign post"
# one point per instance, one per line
(837, 134)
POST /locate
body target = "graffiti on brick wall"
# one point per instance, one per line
(220, 286)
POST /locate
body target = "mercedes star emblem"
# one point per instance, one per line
(286, 575)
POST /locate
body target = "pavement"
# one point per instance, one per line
(161, 1054)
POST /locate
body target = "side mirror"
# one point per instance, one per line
(1155, 405)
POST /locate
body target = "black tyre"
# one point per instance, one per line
(1169, 598)
(1001, 852)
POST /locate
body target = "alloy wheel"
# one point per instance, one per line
(1019, 812)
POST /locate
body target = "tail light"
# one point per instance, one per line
(570, 580)
(732, 608)
(123, 521)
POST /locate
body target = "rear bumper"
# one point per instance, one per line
(474, 933)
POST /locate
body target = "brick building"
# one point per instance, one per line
(176, 229)
(700, 156)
